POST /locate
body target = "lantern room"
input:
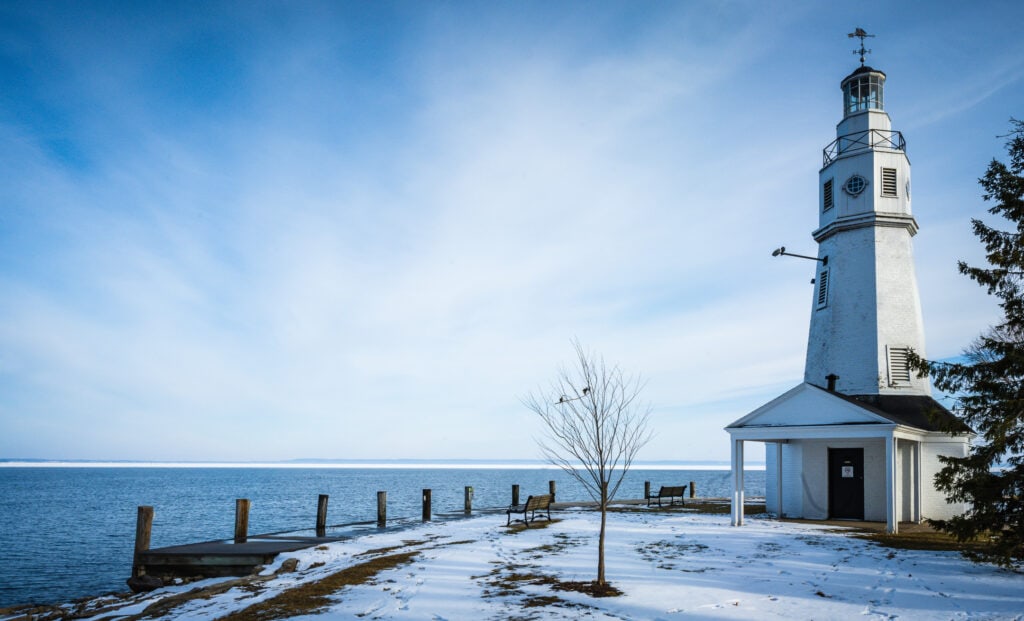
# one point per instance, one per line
(862, 90)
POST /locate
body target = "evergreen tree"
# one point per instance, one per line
(988, 381)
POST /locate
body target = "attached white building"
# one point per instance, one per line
(860, 437)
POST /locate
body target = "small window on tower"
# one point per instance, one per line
(822, 300)
(899, 365)
(827, 200)
(855, 185)
(888, 182)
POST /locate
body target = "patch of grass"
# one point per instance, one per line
(541, 601)
(457, 543)
(314, 597)
(508, 581)
(769, 549)
(810, 540)
(922, 540)
(664, 554)
(720, 508)
(592, 589)
(165, 605)
(518, 527)
(405, 544)
(694, 505)
(911, 537)
(562, 542)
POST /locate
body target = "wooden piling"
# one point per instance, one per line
(551, 490)
(143, 530)
(242, 519)
(468, 502)
(647, 490)
(382, 509)
(693, 489)
(321, 515)
(515, 494)
(426, 505)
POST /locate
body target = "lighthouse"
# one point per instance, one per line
(860, 438)
(866, 311)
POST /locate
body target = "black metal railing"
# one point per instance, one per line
(863, 141)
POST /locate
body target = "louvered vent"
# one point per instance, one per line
(888, 182)
(899, 368)
(823, 289)
(827, 200)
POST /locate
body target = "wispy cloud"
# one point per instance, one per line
(366, 233)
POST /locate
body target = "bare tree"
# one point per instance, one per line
(594, 425)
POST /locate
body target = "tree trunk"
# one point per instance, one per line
(600, 539)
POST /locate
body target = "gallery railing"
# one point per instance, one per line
(862, 141)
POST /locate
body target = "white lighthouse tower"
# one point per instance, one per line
(861, 437)
(866, 312)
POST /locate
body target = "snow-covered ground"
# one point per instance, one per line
(668, 565)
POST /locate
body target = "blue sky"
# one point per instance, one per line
(261, 231)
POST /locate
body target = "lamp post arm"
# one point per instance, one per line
(782, 252)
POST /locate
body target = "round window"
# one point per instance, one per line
(855, 185)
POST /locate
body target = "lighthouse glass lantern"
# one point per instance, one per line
(863, 91)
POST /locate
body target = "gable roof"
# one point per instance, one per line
(810, 405)
(919, 411)
(806, 405)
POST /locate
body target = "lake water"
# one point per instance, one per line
(69, 532)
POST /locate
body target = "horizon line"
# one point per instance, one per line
(359, 463)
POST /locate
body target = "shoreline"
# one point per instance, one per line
(662, 562)
(194, 505)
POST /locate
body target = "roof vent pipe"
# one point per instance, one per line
(831, 378)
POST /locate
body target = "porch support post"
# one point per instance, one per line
(891, 525)
(917, 482)
(897, 496)
(737, 479)
(778, 476)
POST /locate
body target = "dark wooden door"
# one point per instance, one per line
(846, 484)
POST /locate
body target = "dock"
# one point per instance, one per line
(223, 558)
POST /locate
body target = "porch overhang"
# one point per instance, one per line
(889, 433)
(776, 433)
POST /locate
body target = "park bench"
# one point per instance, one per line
(532, 506)
(668, 492)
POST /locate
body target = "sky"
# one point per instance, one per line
(345, 230)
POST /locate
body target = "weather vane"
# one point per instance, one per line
(861, 34)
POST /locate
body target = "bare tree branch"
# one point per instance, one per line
(594, 426)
